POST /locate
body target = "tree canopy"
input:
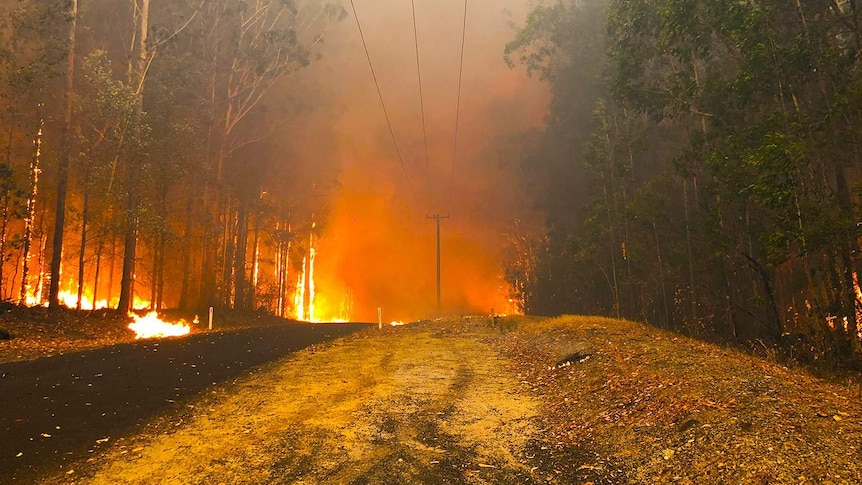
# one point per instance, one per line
(701, 167)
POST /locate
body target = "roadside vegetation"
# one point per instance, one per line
(700, 170)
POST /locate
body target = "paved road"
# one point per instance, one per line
(54, 410)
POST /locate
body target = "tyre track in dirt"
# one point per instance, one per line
(405, 405)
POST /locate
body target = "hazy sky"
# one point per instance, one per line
(377, 244)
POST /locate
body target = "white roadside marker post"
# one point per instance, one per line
(379, 318)
(211, 318)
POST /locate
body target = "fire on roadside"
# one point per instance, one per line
(151, 326)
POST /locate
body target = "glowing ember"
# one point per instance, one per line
(151, 326)
(397, 324)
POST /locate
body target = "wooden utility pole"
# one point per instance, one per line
(438, 218)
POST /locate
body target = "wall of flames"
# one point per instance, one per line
(376, 249)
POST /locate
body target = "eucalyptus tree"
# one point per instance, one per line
(105, 105)
(63, 163)
(29, 67)
(725, 159)
(253, 46)
(144, 53)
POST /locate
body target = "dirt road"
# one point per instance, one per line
(406, 405)
(57, 410)
(574, 400)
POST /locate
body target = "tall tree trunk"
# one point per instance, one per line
(4, 242)
(228, 250)
(6, 290)
(187, 253)
(83, 250)
(155, 274)
(240, 257)
(160, 274)
(131, 227)
(29, 223)
(113, 268)
(99, 249)
(848, 248)
(63, 167)
(255, 267)
(667, 322)
(285, 274)
(40, 261)
(130, 240)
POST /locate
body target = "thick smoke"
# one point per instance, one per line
(376, 243)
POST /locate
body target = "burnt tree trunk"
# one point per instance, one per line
(83, 249)
(239, 260)
(29, 223)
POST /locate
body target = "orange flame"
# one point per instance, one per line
(151, 326)
(312, 305)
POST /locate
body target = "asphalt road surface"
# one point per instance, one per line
(54, 410)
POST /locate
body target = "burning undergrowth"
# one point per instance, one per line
(383, 252)
(374, 246)
(152, 326)
(37, 332)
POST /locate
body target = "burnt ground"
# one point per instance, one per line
(57, 410)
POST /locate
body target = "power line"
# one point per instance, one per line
(458, 106)
(383, 104)
(422, 104)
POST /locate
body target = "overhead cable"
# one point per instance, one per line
(383, 104)
(422, 105)
(458, 106)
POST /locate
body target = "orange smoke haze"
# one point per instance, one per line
(376, 244)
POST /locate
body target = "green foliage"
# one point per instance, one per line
(725, 163)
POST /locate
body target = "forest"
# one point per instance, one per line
(137, 167)
(700, 169)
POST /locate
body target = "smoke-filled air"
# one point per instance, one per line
(430, 241)
(376, 246)
(678, 163)
(293, 158)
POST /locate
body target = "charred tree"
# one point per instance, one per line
(30, 221)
